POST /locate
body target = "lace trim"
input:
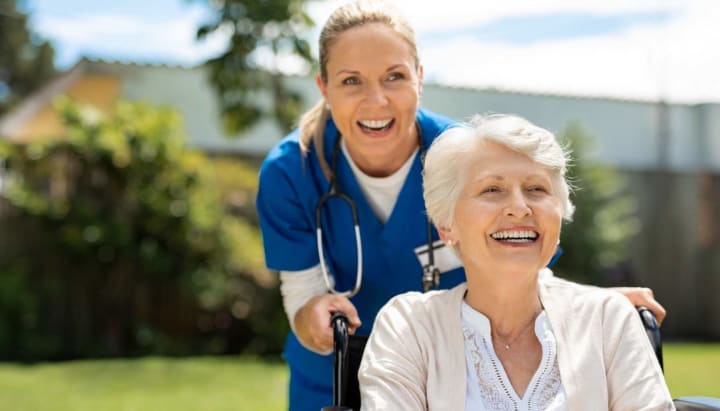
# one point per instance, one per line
(545, 387)
(548, 385)
(493, 391)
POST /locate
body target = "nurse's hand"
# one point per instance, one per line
(641, 296)
(312, 321)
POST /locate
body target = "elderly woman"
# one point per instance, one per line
(513, 337)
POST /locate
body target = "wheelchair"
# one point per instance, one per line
(348, 350)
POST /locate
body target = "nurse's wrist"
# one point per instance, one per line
(297, 288)
(306, 328)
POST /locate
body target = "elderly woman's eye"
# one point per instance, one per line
(538, 189)
(492, 189)
(350, 81)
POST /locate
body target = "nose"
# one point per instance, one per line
(376, 94)
(517, 205)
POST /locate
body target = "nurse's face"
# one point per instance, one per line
(373, 89)
(508, 216)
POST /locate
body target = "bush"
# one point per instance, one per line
(120, 242)
(605, 221)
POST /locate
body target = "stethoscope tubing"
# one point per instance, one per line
(358, 242)
(431, 274)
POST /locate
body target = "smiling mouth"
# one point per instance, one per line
(376, 125)
(518, 237)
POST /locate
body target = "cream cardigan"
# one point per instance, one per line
(415, 357)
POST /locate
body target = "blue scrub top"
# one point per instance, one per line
(290, 187)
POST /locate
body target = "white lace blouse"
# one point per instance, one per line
(488, 386)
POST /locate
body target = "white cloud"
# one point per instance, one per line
(675, 59)
(457, 14)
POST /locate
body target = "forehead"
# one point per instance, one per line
(373, 44)
(492, 158)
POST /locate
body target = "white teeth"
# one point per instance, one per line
(375, 124)
(514, 235)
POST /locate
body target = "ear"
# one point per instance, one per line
(321, 85)
(420, 74)
(446, 235)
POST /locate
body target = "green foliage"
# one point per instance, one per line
(604, 222)
(26, 62)
(263, 33)
(134, 249)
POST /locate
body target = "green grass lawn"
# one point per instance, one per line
(692, 369)
(153, 384)
(232, 383)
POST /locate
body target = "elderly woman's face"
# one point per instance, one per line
(507, 217)
(373, 89)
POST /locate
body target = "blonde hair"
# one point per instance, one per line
(355, 14)
(446, 162)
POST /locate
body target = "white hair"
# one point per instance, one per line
(446, 162)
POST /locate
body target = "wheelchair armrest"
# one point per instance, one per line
(697, 404)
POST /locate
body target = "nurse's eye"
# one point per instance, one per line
(351, 81)
(395, 76)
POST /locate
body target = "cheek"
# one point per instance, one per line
(553, 221)
(474, 218)
(407, 97)
(339, 108)
(412, 101)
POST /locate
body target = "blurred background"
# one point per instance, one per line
(131, 133)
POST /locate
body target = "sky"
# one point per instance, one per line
(625, 49)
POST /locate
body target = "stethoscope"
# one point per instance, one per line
(431, 274)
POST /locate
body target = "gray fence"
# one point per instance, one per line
(677, 252)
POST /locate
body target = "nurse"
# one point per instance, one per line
(367, 135)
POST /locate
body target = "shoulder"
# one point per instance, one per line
(286, 154)
(581, 297)
(417, 304)
(433, 124)
(287, 178)
(286, 167)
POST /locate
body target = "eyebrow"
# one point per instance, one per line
(502, 177)
(492, 177)
(395, 67)
(356, 72)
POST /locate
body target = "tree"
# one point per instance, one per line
(262, 33)
(604, 223)
(26, 62)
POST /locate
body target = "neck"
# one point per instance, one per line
(389, 162)
(508, 301)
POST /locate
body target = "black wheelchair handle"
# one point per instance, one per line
(652, 328)
(339, 323)
(648, 318)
